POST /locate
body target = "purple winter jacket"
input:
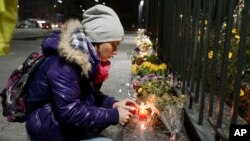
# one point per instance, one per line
(74, 109)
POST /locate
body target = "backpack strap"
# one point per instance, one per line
(29, 76)
(44, 101)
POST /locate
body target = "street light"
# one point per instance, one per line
(142, 3)
(140, 7)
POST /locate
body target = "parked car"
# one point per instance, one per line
(27, 24)
(46, 26)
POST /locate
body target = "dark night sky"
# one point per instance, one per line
(127, 10)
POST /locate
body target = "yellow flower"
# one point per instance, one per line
(139, 90)
(234, 30)
(151, 68)
(242, 93)
(230, 54)
(144, 46)
(154, 67)
(163, 66)
(137, 40)
(134, 68)
(143, 53)
(237, 37)
(146, 64)
(210, 54)
(205, 22)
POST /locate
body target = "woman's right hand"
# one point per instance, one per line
(127, 104)
(124, 115)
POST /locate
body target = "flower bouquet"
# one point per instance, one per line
(148, 65)
(171, 114)
(155, 91)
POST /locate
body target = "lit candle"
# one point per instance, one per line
(143, 126)
(142, 111)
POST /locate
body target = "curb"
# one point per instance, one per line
(30, 33)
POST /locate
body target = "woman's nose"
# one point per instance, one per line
(114, 53)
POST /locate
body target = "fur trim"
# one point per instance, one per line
(70, 54)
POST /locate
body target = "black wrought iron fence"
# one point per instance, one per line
(206, 46)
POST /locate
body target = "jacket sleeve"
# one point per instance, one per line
(64, 82)
(102, 99)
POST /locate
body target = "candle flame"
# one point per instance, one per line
(142, 104)
(143, 127)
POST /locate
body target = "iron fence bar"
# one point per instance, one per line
(195, 52)
(183, 49)
(225, 65)
(162, 46)
(199, 52)
(241, 56)
(191, 46)
(166, 32)
(171, 31)
(192, 7)
(186, 21)
(177, 38)
(208, 36)
(181, 33)
(195, 37)
(174, 47)
(152, 21)
(189, 42)
(146, 4)
(219, 10)
(173, 36)
(202, 101)
(157, 26)
(166, 39)
(205, 58)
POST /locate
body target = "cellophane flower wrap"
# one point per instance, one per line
(156, 92)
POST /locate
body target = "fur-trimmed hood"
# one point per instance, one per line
(72, 44)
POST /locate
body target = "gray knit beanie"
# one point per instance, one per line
(101, 24)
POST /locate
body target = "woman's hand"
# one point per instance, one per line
(127, 104)
(126, 109)
(124, 115)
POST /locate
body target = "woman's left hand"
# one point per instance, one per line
(126, 104)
